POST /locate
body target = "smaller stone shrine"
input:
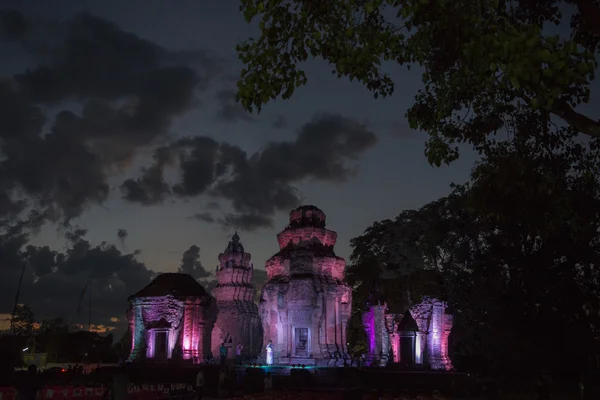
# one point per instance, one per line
(171, 318)
(420, 337)
(238, 321)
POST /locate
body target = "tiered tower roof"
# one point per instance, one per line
(234, 273)
(307, 224)
(306, 248)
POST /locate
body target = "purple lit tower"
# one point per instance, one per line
(170, 318)
(238, 321)
(305, 304)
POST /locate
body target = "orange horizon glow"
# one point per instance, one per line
(100, 328)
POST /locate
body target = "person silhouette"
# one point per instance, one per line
(270, 349)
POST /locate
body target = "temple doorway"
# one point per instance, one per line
(160, 345)
(301, 344)
(407, 349)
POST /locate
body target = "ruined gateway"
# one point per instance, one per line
(417, 337)
(304, 309)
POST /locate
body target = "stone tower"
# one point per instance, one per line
(238, 320)
(305, 304)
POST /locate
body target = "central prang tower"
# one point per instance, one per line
(305, 304)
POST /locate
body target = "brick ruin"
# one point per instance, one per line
(417, 337)
(170, 318)
(305, 304)
(304, 309)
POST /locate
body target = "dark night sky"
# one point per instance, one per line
(171, 76)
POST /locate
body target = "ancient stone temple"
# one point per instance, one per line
(419, 336)
(170, 318)
(238, 321)
(305, 304)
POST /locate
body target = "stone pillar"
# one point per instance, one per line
(337, 324)
(329, 322)
(395, 343)
(441, 325)
(139, 345)
(201, 347)
(188, 330)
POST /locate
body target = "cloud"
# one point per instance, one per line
(53, 281)
(150, 187)
(239, 222)
(257, 185)
(213, 205)
(204, 217)
(190, 263)
(12, 24)
(229, 109)
(127, 91)
(246, 222)
(280, 122)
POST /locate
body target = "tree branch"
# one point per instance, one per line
(578, 121)
(590, 13)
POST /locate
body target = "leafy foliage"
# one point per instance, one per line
(482, 62)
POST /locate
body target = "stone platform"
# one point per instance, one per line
(284, 361)
(312, 377)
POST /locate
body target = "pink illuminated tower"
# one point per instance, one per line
(237, 321)
(305, 304)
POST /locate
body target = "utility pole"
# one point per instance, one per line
(90, 306)
(14, 310)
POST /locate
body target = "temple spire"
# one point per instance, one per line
(234, 246)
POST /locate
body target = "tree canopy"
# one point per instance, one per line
(518, 248)
(482, 61)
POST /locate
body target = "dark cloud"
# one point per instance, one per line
(53, 281)
(127, 91)
(203, 217)
(150, 187)
(246, 222)
(12, 24)
(190, 263)
(75, 235)
(239, 222)
(213, 205)
(260, 184)
(280, 122)
(229, 109)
